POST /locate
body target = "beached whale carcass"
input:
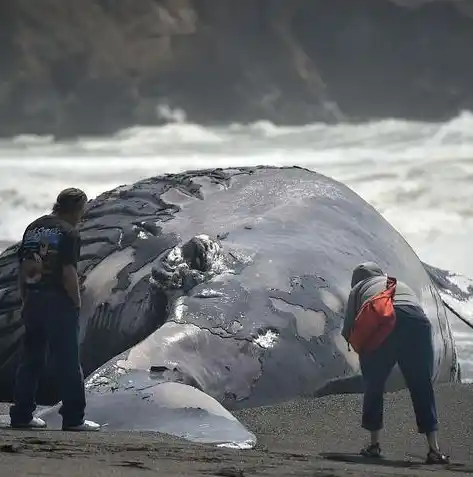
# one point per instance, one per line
(221, 287)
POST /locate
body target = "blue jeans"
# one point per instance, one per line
(409, 345)
(50, 319)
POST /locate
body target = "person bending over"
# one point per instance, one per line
(409, 344)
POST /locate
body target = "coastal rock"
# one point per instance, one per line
(95, 66)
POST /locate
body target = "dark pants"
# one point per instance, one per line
(50, 319)
(410, 345)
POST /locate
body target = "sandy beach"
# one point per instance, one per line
(314, 437)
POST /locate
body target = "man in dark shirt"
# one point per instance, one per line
(50, 293)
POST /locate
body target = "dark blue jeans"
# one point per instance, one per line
(50, 319)
(409, 345)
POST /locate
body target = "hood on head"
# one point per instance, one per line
(365, 270)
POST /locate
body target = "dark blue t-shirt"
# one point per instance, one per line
(51, 243)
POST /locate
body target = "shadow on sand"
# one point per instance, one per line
(406, 464)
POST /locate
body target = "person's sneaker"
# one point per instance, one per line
(85, 426)
(35, 423)
(436, 457)
(373, 450)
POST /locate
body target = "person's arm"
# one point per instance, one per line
(21, 272)
(350, 314)
(71, 283)
(21, 284)
(69, 252)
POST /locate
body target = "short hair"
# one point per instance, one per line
(70, 200)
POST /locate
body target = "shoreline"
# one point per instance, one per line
(316, 437)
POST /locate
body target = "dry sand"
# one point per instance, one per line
(317, 437)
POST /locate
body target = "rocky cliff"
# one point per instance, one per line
(93, 66)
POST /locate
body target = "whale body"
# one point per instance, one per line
(212, 290)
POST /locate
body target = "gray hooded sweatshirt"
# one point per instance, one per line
(367, 281)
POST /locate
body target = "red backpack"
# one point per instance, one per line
(375, 321)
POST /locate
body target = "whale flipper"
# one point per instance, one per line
(170, 408)
(456, 291)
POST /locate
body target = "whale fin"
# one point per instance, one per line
(456, 292)
(168, 407)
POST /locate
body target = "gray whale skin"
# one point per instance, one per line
(208, 291)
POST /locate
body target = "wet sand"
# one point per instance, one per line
(317, 437)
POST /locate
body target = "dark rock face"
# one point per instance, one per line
(95, 66)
